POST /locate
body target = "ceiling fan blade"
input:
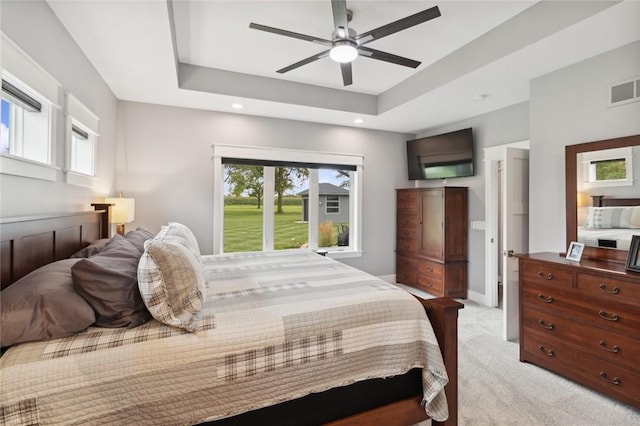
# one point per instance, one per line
(347, 78)
(399, 25)
(304, 62)
(286, 33)
(340, 20)
(387, 57)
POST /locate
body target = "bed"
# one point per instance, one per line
(611, 222)
(158, 374)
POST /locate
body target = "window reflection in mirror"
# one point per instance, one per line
(608, 173)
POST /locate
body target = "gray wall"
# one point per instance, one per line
(36, 29)
(164, 161)
(495, 128)
(569, 106)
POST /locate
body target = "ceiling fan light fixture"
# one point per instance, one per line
(343, 51)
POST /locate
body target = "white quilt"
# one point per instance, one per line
(275, 326)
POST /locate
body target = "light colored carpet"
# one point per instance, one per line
(495, 388)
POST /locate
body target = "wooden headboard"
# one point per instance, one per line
(603, 201)
(27, 243)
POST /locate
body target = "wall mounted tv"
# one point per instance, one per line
(442, 156)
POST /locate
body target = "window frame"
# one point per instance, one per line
(294, 156)
(79, 117)
(589, 159)
(23, 72)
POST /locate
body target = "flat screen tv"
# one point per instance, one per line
(442, 156)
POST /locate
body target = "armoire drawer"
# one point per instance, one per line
(410, 246)
(406, 233)
(407, 200)
(612, 347)
(407, 221)
(569, 361)
(431, 284)
(406, 270)
(431, 269)
(606, 288)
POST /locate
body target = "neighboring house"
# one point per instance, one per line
(334, 204)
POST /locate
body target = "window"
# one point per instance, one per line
(29, 103)
(610, 167)
(270, 199)
(333, 204)
(82, 134)
(25, 122)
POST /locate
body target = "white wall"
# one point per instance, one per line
(164, 161)
(495, 128)
(35, 28)
(569, 106)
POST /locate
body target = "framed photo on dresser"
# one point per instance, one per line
(633, 258)
(574, 252)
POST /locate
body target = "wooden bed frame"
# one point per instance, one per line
(27, 243)
(603, 201)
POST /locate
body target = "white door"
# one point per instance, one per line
(515, 219)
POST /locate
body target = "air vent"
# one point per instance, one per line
(624, 92)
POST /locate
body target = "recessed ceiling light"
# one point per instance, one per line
(236, 105)
(358, 121)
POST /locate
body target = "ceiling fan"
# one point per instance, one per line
(345, 45)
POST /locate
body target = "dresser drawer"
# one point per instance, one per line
(615, 317)
(611, 347)
(539, 273)
(407, 200)
(607, 288)
(569, 361)
(431, 269)
(431, 284)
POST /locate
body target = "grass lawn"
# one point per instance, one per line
(243, 228)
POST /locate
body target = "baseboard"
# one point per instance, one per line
(388, 278)
(477, 297)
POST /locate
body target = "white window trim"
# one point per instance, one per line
(76, 113)
(19, 68)
(290, 155)
(609, 154)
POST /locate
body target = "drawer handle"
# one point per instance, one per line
(549, 276)
(547, 326)
(429, 269)
(612, 317)
(614, 381)
(545, 299)
(615, 348)
(546, 352)
(428, 284)
(603, 288)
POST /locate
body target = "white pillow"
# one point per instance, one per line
(634, 221)
(170, 279)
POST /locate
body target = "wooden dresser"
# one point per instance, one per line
(431, 240)
(582, 321)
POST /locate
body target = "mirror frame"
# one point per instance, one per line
(571, 193)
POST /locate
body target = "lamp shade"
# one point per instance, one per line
(123, 210)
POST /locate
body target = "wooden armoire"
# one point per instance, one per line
(431, 239)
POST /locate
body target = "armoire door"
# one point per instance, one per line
(432, 223)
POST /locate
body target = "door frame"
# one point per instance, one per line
(492, 156)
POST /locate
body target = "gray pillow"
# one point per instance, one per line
(92, 249)
(108, 282)
(43, 305)
(138, 237)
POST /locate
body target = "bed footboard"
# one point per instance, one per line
(443, 313)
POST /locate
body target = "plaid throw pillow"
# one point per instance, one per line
(170, 278)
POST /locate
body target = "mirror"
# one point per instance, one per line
(573, 167)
